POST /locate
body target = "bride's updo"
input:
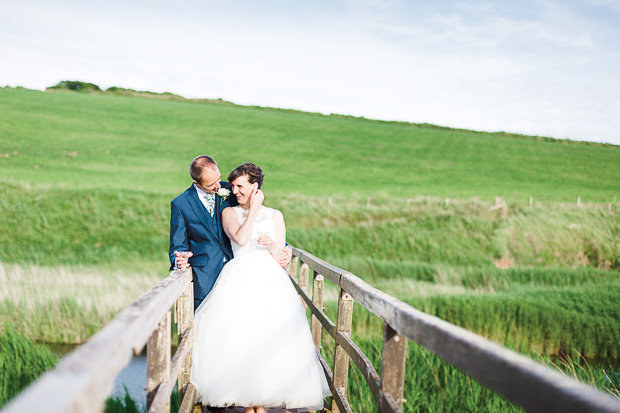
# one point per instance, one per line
(253, 172)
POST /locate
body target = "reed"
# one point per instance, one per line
(21, 362)
(68, 304)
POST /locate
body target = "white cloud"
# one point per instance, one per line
(549, 75)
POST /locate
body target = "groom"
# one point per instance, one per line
(196, 226)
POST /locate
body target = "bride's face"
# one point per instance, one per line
(242, 188)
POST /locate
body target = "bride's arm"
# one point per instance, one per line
(277, 249)
(230, 223)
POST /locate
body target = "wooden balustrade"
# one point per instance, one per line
(531, 385)
(317, 301)
(83, 379)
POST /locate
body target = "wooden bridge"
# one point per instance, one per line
(83, 380)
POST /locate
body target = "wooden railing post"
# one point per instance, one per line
(304, 272)
(185, 310)
(393, 364)
(158, 359)
(317, 300)
(341, 358)
(291, 268)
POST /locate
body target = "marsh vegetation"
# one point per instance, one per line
(84, 205)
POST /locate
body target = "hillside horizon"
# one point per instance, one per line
(138, 141)
(116, 90)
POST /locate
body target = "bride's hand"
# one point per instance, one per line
(266, 241)
(256, 199)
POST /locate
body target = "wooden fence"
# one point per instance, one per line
(531, 385)
(83, 380)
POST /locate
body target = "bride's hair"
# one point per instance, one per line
(253, 172)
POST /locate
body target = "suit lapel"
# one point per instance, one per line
(202, 213)
(218, 215)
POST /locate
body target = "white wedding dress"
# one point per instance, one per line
(252, 343)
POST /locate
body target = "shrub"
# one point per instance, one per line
(76, 85)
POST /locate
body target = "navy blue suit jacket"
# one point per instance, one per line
(193, 229)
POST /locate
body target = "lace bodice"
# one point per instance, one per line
(263, 225)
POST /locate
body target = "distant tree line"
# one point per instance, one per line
(76, 86)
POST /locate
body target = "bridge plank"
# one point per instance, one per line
(162, 396)
(187, 403)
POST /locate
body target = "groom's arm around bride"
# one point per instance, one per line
(196, 227)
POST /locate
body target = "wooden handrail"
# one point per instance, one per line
(529, 384)
(83, 380)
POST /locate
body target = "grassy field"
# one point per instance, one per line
(86, 181)
(95, 141)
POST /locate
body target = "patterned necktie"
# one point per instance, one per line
(210, 203)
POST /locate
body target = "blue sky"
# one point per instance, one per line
(548, 68)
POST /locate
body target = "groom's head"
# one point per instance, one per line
(205, 173)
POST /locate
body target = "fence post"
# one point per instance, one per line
(158, 360)
(341, 358)
(531, 202)
(291, 268)
(304, 272)
(317, 300)
(185, 307)
(393, 364)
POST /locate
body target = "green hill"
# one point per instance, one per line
(105, 141)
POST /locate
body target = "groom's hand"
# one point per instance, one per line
(181, 259)
(288, 254)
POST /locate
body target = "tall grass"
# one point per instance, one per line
(21, 362)
(68, 304)
(561, 237)
(68, 226)
(434, 385)
(548, 321)
(126, 404)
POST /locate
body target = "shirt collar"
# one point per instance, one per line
(201, 193)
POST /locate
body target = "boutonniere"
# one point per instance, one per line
(223, 193)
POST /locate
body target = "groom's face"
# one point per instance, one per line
(210, 181)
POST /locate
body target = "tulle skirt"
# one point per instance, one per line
(252, 342)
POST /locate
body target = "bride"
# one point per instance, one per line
(252, 343)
